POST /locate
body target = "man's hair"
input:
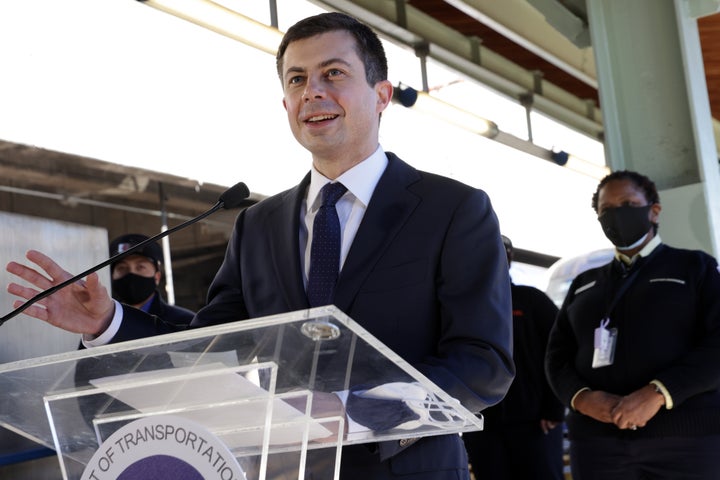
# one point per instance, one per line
(640, 181)
(367, 44)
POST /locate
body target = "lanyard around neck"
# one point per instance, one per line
(627, 281)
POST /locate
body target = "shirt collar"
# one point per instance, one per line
(145, 307)
(646, 250)
(360, 180)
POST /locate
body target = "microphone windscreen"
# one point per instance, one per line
(233, 196)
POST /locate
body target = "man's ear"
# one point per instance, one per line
(384, 91)
(655, 210)
(158, 276)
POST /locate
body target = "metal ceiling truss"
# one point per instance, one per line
(405, 24)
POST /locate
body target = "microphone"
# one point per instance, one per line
(230, 198)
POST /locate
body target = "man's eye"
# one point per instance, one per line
(294, 80)
(334, 72)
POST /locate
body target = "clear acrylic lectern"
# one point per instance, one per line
(267, 388)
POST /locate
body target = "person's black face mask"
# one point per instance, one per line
(625, 226)
(133, 289)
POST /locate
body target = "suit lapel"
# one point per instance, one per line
(284, 223)
(389, 208)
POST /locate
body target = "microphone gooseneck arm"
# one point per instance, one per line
(231, 198)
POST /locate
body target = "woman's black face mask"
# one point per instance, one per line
(626, 226)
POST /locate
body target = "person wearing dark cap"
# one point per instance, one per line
(522, 438)
(136, 277)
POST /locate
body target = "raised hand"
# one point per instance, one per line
(82, 307)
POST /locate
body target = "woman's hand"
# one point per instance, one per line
(597, 404)
(635, 410)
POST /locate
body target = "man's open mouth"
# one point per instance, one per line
(320, 118)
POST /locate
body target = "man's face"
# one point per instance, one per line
(332, 110)
(137, 264)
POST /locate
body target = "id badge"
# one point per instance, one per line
(605, 341)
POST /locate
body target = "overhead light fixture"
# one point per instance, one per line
(222, 20)
(587, 168)
(421, 101)
(411, 98)
(560, 158)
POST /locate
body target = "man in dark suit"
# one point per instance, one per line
(421, 263)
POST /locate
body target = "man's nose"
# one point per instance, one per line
(313, 89)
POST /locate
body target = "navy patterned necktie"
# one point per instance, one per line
(325, 248)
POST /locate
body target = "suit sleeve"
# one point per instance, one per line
(473, 362)
(138, 324)
(225, 299)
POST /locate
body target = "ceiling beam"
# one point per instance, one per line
(519, 21)
(460, 52)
